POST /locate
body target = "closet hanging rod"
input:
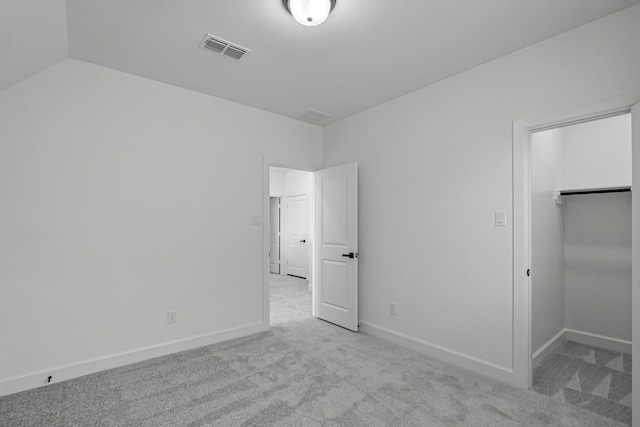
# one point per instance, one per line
(559, 193)
(594, 191)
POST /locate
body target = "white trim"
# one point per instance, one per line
(266, 179)
(613, 344)
(69, 371)
(522, 371)
(283, 248)
(635, 268)
(480, 366)
(549, 347)
(278, 236)
(283, 268)
(312, 239)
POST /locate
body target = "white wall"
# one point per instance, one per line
(297, 182)
(597, 251)
(276, 182)
(597, 154)
(547, 251)
(436, 164)
(597, 227)
(116, 207)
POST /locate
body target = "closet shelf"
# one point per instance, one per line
(577, 191)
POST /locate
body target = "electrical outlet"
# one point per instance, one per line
(393, 309)
(171, 316)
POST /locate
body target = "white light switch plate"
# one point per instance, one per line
(171, 316)
(501, 219)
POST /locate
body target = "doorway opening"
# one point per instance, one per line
(581, 264)
(328, 239)
(522, 273)
(291, 227)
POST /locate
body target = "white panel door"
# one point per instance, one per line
(337, 245)
(297, 235)
(274, 235)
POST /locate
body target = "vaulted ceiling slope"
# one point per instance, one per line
(366, 53)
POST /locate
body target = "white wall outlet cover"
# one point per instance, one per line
(256, 220)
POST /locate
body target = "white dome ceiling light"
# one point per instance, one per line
(309, 12)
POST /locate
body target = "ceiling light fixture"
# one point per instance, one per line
(309, 12)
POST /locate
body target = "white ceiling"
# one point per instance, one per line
(366, 53)
(33, 36)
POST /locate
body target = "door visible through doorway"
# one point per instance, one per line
(297, 235)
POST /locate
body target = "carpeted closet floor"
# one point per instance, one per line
(592, 378)
(303, 372)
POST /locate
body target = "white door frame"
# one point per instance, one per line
(266, 164)
(278, 234)
(522, 129)
(283, 246)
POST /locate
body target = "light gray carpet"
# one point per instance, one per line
(592, 378)
(304, 372)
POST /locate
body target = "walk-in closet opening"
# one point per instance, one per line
(581, 264)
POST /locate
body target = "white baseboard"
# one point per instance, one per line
(36, 379)
(549, 347)
(477, 365)
(613, 344)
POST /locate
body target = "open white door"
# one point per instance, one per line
(337, 245)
